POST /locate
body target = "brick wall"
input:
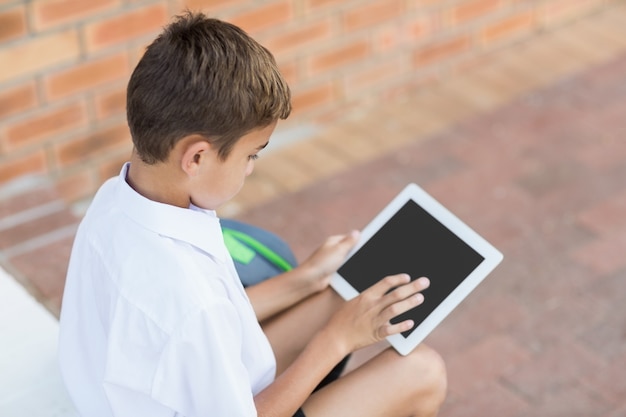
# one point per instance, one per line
(64, 64)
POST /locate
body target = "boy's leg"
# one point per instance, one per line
(387, 385)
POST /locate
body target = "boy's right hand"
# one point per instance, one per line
(365, 319)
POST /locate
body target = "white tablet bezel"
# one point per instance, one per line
(492, 257)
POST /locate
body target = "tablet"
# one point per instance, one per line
(417, 235)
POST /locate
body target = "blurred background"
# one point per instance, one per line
(65, 64)
(508, 111)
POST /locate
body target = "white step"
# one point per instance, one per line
(30, 381)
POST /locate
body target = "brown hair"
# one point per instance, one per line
(202, 76)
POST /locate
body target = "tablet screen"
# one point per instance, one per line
(413, 242)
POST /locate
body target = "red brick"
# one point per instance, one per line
(492, 400)
(368, 15)
(555, 368)
(46, 123)
(211, 5)
(314, 4)
(32, 163)
(441, 50)
(263, 17)
(110, 102)
(307, 99)
(49, 13)
(477, 366)
(388, 38)
(85, 147)
(112, 167)
(375, 74)
(125, 27)
(12, 23)
(17, 99)
(45, 269)
(22, 232)
(75, 186)
(33, 193)
(609, 380)
(136, 52)
(604, 255)
(573, 400)
(510, 26)
(470, 10)
(340, 56)
(558, 11)
(87, 76)
(397, 92)
(38, 53)
(421, 27)
(419, 4)
(299, 37)
(289, 71)
(606, 215)
(392, 35)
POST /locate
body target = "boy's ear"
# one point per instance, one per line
(194, 153)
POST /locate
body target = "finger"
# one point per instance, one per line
(399, 307)
(334, 239)
(353, 236)
(403, 298)
(404, 291)
(349, 238)
(386, 284)
(391, 329)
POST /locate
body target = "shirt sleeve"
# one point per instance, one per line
(200, 372)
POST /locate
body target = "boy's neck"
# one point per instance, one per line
(157, 182)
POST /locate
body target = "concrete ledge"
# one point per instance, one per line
(30, 382)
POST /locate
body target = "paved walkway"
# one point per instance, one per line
(543, 178)
(528, 147)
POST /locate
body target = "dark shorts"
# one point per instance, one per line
(299, 413)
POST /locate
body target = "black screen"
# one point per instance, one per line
(413, 242)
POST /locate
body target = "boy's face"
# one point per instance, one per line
(218, 180)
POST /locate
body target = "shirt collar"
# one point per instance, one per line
(198, 227)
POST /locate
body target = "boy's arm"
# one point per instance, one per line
(360, 322)
(277, 294)
(292, 388)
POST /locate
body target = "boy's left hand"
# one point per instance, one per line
(328, 258)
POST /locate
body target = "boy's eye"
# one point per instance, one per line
(253, 157)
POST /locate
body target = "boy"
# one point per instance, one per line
(155, 321)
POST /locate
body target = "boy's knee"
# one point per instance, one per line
(432, 381)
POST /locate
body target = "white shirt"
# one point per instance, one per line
(155, 321)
